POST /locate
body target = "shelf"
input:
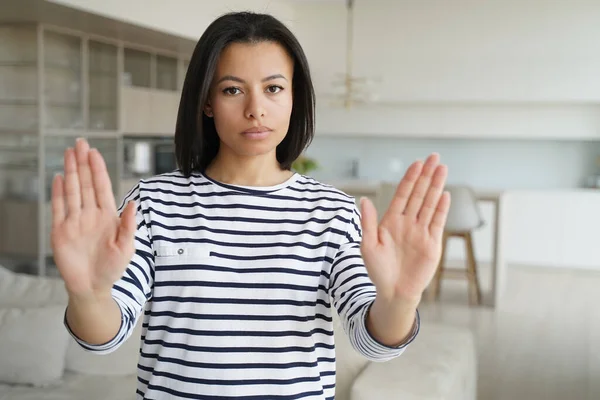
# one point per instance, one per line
(18, 43)
(20, 64)
(112, 75)
(17, 102)
(18, 118)
(65, 85)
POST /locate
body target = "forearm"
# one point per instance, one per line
(392, 322)
(94, 320)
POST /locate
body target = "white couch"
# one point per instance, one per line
(42, 361)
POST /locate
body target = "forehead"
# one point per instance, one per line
(262, 58)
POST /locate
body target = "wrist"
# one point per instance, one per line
(89, 299)
(398, 301)
(392, 322)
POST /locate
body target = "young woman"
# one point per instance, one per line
(234, 263)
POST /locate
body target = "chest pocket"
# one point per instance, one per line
(175, 251)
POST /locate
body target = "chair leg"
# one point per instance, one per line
(474, 288)
(436, 282)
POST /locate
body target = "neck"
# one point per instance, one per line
(247, 171)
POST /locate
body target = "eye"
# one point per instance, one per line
(274, 89)
(231, 91)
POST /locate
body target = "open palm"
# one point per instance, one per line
(402, 252)
(92, 245)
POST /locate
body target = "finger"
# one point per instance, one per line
(72, 184)
(102, 185)
(368, 223)
(433, 195)
(404, 189)
(438, 222)
(127, 227)
(58, 201)
(88, 197)
(420, 188)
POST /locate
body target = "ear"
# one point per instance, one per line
(208, 111)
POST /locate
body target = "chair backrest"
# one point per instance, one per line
(385, 194)
(464, 214)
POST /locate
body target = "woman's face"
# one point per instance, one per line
(251, 98)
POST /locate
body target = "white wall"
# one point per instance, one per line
(463, 50)
(187, 18)
(461, 68)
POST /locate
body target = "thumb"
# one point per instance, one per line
(127, 227)
(369, 224)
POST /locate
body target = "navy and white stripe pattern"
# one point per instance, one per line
(235, 286)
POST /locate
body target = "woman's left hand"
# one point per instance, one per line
(402, 252)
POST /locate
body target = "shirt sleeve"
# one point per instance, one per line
(134, 288)
(353, 293)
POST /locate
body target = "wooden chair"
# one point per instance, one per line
(464, 217)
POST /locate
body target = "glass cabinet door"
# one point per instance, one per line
(166, 73)
(103, 86)
(109, 148)
(55, 146)
(19, 205)
(62, 81)
(137, 68)
(18, 78)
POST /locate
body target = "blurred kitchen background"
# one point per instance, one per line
(507, 91)
(508, 97)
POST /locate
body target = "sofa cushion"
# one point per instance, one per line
(120, 362)
(78, 387)
(33, 344)
(4, 391)
(23, 290)
(348, 362)
(439, 364)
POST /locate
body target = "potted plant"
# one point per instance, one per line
(303, 165)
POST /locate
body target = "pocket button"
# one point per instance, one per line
(180, 251)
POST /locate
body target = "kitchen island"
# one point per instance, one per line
(554, 228)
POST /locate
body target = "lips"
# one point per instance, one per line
(258, 129)
(258, 132)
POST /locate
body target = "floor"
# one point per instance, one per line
(544, 341)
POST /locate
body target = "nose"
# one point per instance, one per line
(254, 106)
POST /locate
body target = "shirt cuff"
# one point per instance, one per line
(413, 334)
(99, 348)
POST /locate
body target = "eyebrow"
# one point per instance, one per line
(240, 80)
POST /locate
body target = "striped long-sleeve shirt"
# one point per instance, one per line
(235, 286)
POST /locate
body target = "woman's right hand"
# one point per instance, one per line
(92, 245)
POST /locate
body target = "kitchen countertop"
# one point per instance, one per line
(371, 186)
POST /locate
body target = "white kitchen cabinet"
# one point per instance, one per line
(503, 121)
(149, 111)
(534, 226)
(150, 93)
(552, 228)
(581, 231)
(164, 105)
(135, 111)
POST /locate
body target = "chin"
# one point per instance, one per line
(254, 149)
(250, 148)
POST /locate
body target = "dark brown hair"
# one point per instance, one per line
(196, 139)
